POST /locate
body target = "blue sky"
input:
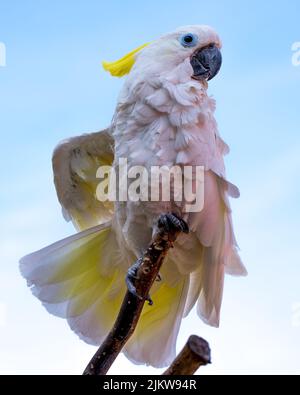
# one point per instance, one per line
(53, 87)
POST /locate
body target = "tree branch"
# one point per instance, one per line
(196, 353)
(132, 306)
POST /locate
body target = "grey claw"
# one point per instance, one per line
(158, 278)
(130, 277)
(149, 300)
(131, 288)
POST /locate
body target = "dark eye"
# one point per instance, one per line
(189, 40)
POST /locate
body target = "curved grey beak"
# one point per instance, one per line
(206, 62)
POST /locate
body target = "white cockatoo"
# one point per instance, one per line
(164, 116)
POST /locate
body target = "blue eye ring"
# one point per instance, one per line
(189, 40)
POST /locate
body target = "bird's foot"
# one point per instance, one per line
(170, 222)
(131, 277)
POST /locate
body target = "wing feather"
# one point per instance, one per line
(75, 164)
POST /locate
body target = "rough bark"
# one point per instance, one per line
(196, 353)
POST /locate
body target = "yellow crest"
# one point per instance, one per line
(122, 66)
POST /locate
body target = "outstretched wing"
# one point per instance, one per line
(75, 164)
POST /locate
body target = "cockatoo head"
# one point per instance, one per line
(190, 51)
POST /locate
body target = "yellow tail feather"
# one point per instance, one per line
(82, 279)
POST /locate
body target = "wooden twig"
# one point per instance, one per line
(132, 306)
(196, 353)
